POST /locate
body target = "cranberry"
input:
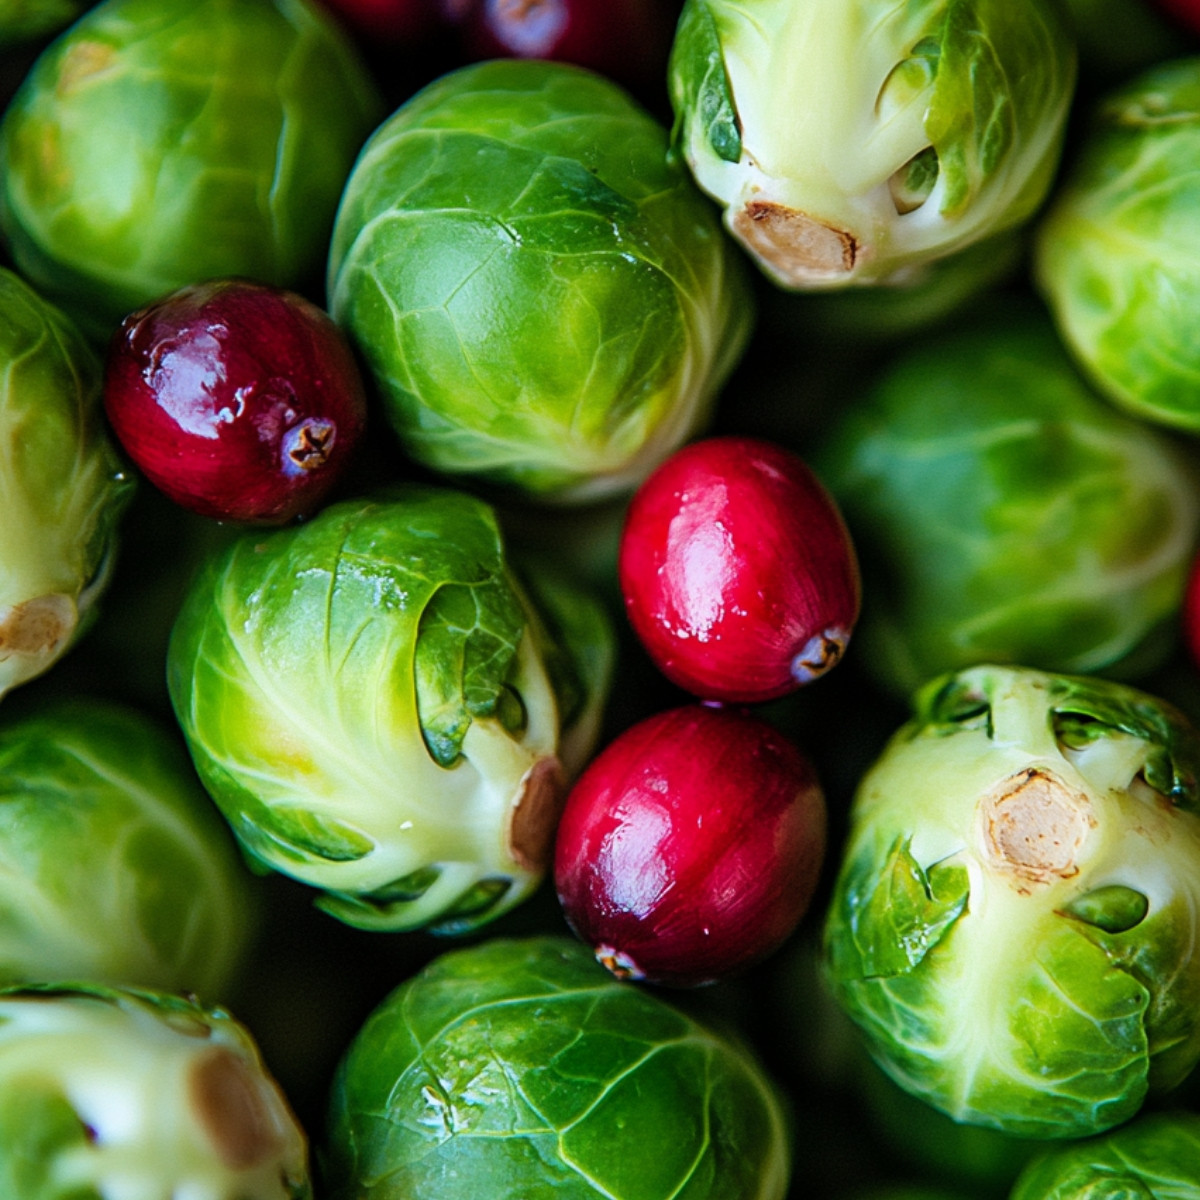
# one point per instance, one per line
(737, 570)
(691, 846)
(240, 401)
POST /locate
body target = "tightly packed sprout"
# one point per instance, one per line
(523, 1069)
(114, 865)
(1156, 1157)
(1013, 925)
(63, 489)
(160, 142)
(114, 1093)
(1005, 513)
(545, 301)
(853, 141)
(1118, 253)
(377, 707)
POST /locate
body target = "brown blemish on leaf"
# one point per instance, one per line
(230, 1104)
(37, 626)
(81, 61)
(796, 245)
(535, 815)
(1034, 826)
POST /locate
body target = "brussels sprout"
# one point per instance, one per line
(544, 299)
(371, 702)
(848, 141)
(26, 20)
(1013, 925)
(159, 142)
(111, 1094)
(1156, 1157)
(1005, 513)
(521, 1068)
(62, 486)
(114, 866)
(1117, 255)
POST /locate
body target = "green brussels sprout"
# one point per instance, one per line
(1005, 513)
(157, 142)
(115, 1093)
(1156, 1157)
(848, 141)
(26, 20)
(1014, 920)
(62, 486)
(522, 1068)
(370, 700)
(1117, 255)
(114, 865)
(544, 298)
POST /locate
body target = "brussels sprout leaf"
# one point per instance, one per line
(698, 52)
(898, 913)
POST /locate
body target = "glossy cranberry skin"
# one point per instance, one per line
(627, 40)
(691, 846)
(240, 401)
(737, 571)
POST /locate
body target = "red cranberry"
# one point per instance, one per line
(738, 573)
(240, 401)
(691, 846)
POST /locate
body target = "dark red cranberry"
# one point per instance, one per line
(691, 846)
(240, 401)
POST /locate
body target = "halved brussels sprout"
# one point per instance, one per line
(544, 298)
(1156, 1157)
(62, 486)
(848, 141)
(522, 1068)
(1014, 922)
(114, 866)
(377, 706)
(108, 1093)
(1117, 255)
(1005, 513)
(159, 142)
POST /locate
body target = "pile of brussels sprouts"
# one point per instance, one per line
(623, 633)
